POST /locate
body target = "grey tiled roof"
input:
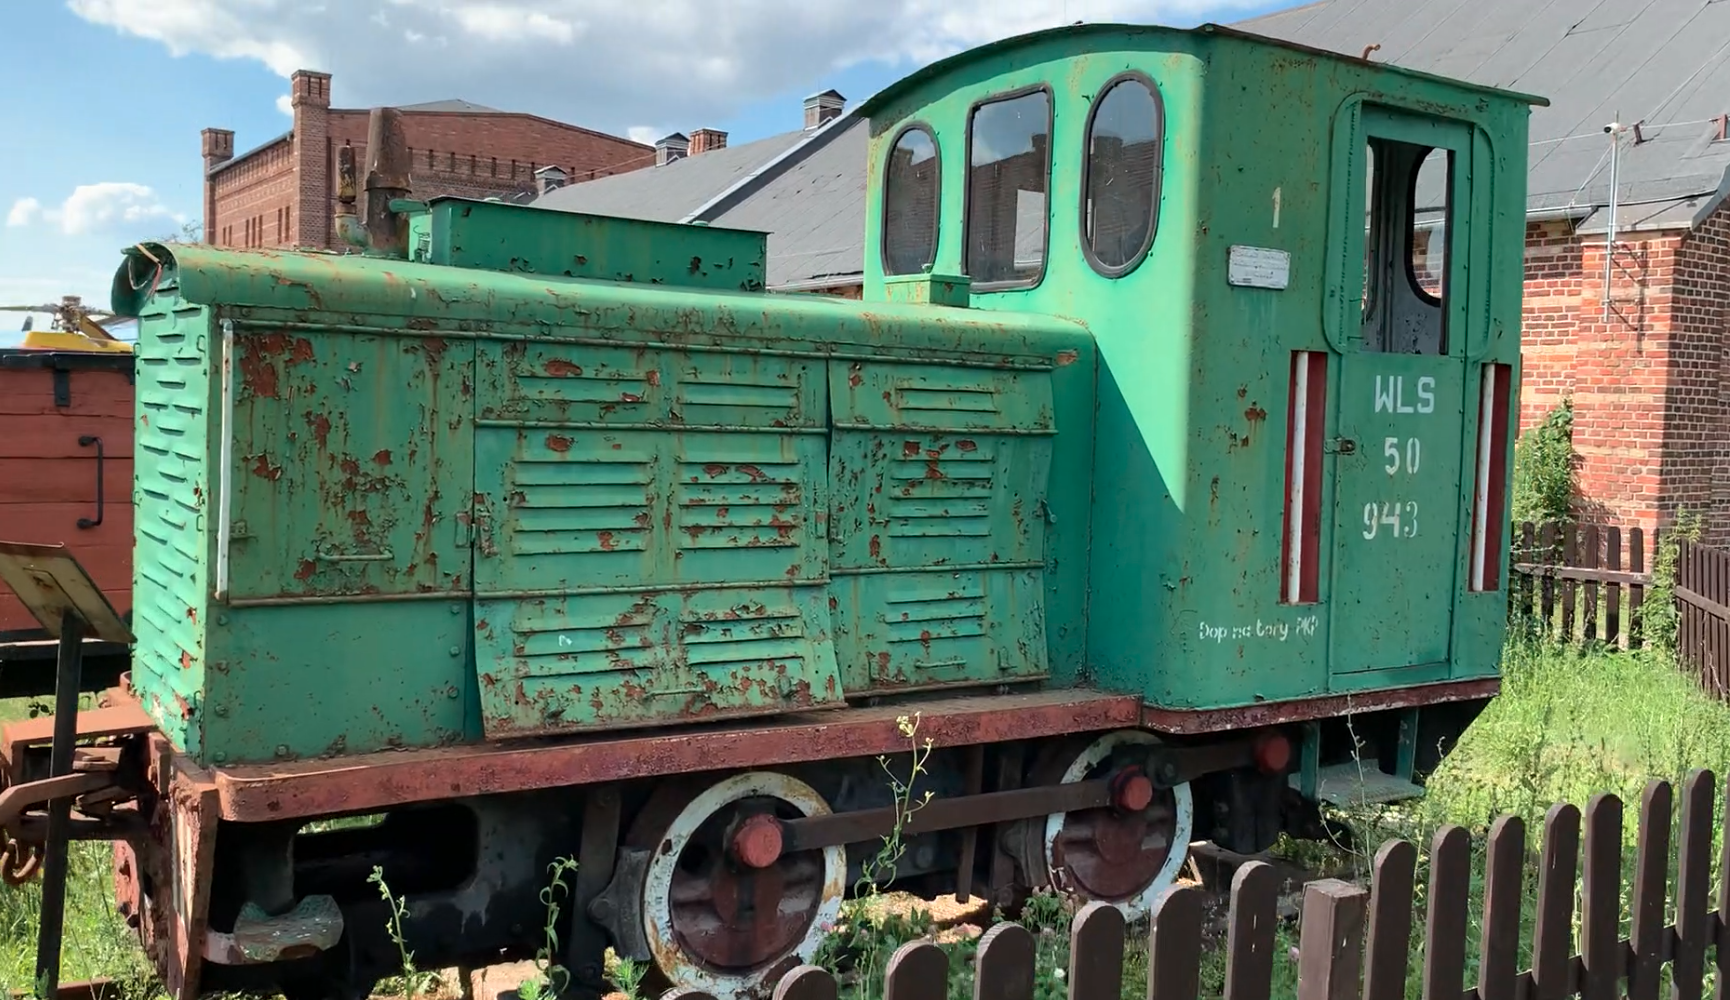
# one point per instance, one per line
(1665, 63)
(813, 211)
(669, 193)
(453, 104)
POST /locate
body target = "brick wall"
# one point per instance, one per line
(252, 199)
(1649, 381)
(291, 185)
(314, 182)
(1697, 418)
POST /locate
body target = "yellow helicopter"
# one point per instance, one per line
(73, 328)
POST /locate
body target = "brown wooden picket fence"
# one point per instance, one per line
(1580, 582)
(1703, 613)
(1356, 942)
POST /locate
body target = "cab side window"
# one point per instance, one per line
(910, 202)
(1409, 190)
(1008, 175)
(1120, 199)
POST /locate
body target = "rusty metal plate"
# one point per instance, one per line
(379, 781)
(937, 529)
(50, 582)
(124, 718)
(1189, 721)
(650, 538)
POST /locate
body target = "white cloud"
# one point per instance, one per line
(24, 211)
(607, 64)
(495, 22)
(109, 206)
(646, 133)
(285, 104)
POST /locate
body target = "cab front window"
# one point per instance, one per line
(1120, 202)
(910, 186)
(1008, 175)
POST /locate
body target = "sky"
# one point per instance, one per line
(100, 148)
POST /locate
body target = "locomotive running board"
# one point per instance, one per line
(378, 781)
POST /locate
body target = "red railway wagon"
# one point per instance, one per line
(65, 477)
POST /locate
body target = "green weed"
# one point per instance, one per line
(1660, 618)
(1546, 469)
(551, 978)
(409, 983)
(865, 935)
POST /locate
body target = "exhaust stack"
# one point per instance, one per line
(382, 230)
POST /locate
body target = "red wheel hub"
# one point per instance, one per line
(757, 841)
(738, 900)
(1272, 753)
(1131, 790)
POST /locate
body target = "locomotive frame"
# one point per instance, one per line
(1062, 753)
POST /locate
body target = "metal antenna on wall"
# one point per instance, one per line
(1614, 129)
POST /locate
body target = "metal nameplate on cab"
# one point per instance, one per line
(1258, 267)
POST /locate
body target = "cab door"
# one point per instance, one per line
(1403, 336)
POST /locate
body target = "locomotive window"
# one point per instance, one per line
(1409, 188)
(1009, 164)
(1121, 189)
(1369, 229)
(910, 203)
(1427, 242)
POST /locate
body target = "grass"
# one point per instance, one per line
(1570, 722)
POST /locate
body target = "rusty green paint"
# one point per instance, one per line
(501, 237)
(469, 504)
(1184, 507)
(172, 487)
(550, 504)
(928, 289)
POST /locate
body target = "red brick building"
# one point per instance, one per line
(283, 193)
(1649, 381)
(1648, 376)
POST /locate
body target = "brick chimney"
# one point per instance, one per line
(218, 149)
(823, 108)
(705, 139)
(550, 178)
(312, 208)
(671, 147)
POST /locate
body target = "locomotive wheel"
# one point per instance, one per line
(724, 908)
(1125, 854)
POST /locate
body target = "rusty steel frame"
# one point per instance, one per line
(370, 782)
(1191, 722)
(179, 847)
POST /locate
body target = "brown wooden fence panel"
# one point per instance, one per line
(1354, 943)
(1572, 582)
(1580, 583)
(1703, 610)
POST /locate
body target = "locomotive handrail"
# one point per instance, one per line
(86, 441)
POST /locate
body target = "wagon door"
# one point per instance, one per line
(1404, 337)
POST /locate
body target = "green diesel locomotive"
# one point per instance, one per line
(1159, 482)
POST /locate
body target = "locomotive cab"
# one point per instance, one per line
(1302, 276)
